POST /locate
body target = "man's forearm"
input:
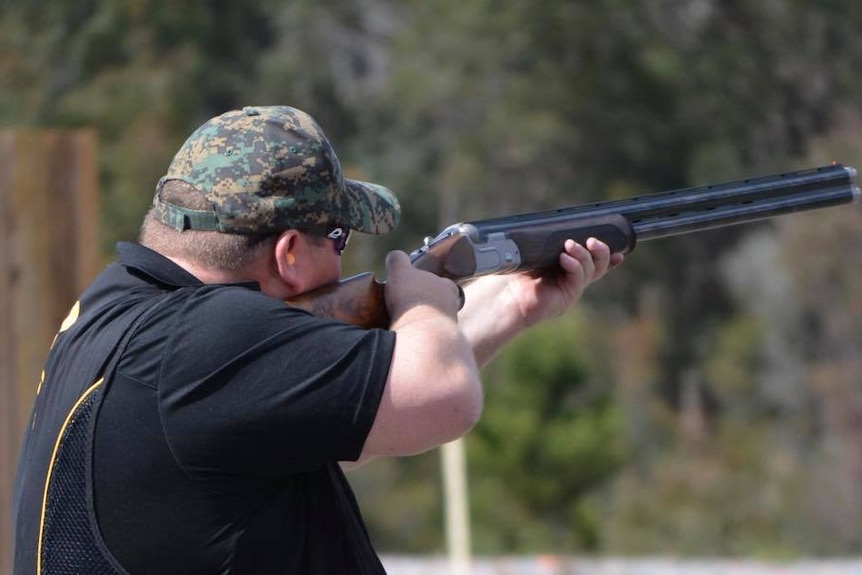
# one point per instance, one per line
(490, 318)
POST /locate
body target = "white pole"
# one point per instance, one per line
(457, 507)
(452, 455)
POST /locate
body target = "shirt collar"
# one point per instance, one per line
(159, 268)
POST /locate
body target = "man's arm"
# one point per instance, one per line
(498, 307)
(434, 393)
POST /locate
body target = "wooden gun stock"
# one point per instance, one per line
(357, 300)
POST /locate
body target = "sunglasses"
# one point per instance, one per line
(339, 236)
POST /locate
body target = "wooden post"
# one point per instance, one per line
(48, 253)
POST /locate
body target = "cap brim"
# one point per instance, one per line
(369, 208)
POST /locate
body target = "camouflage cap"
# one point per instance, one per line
(269, 168)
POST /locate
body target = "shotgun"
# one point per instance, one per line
(533, 241)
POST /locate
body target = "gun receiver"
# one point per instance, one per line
(533, 241)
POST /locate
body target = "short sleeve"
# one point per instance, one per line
(250, 386)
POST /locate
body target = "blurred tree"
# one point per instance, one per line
(785, 373)
(551, 433)
(817, 253)
(143, 73)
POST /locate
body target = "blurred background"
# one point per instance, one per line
(705, 400)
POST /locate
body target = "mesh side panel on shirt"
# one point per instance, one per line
(69, 545)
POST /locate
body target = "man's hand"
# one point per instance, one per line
(550, 295)
(408, 287)
(500, 306)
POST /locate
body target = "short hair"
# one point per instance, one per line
(222, 251)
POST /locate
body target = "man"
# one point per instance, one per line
(188, 421)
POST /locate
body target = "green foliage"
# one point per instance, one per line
(550, 434)
(737, 498)
(400, 499)
(734, 363)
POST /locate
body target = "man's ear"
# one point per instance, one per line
(284, 262)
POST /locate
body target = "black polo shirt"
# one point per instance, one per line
(217, 438)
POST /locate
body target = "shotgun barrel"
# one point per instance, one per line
(534, 240)
(698, 199)
(697, 220)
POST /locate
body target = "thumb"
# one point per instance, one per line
(396, 258)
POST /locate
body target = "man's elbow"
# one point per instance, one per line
(464, 411)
